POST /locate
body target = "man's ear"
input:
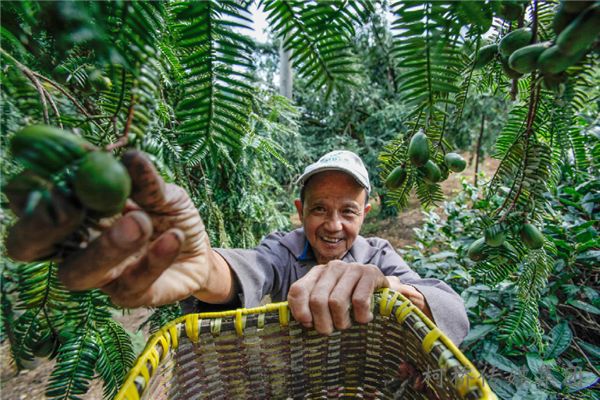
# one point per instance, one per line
(299, 208)
(367, 208)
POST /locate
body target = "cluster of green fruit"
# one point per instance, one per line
(428, 170)
(576, 24)
(495, 236)
(98, 180)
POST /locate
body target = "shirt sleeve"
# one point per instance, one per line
(259, 271)
(446, 306)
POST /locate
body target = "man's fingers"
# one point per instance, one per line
(34, 236)
(361, 297)
(94, 265)
(138, 278)
(319, 300)
(340, 298)
(148, 188)
(299, 296)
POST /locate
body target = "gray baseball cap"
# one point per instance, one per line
(339, 160)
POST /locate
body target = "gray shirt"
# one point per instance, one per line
(283, 258)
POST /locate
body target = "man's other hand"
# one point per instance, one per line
(323, 297)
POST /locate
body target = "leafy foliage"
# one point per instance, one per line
(319, 35)
(560, 362)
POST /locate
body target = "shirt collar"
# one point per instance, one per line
(296, 242)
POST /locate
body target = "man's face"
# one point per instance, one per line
(333, 211)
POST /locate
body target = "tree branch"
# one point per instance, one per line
(124, 139)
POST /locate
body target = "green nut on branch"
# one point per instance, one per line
(431, 172)
(102, 183)
(47, 150)
(396, 178)
(418, 149)
(455, 162)
(477, 249)
(514, 40)
(531, 236)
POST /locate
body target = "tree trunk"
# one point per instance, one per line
(286, 79)
(478, 149)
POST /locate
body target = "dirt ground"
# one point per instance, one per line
(31, 383)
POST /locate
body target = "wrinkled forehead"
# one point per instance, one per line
(334, 184)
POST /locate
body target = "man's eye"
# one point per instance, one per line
(350, 211)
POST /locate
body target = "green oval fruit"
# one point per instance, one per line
(102, 183)
(418, 149)
(514, 40)
(531, 236)
(562, 19)
(581, 33)
(553, 61)
(47, 150)
(396, 178)
(511, 10)
(455, 162)
(494, 236)
(508, 71)
(431, 172)
(524, 60)
(476, 251)
(485, 55)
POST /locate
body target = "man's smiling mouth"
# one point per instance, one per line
(332, 240)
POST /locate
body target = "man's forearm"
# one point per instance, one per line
(219, 284)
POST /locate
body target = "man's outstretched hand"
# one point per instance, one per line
(158, 252)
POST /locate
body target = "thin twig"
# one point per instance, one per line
(533, 103)
(63, 91)
(478, 148)
(30, 75)
(54, 107)
(589, 363)
(124, 139)
(40, 90)
(121, 94)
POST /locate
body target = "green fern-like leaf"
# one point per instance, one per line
(429, 195)
(160, 317)
(74, 369)
(532, 280)
(217, 95)
(393, 155)
(115, 356)
(520, 324)
(427, 48)
(321, 51)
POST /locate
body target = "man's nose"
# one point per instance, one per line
(334, 222)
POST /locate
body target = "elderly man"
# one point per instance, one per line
(159, 253)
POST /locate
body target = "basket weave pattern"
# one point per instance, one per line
(263, 354)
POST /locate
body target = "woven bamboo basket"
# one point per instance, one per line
(262, 353)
